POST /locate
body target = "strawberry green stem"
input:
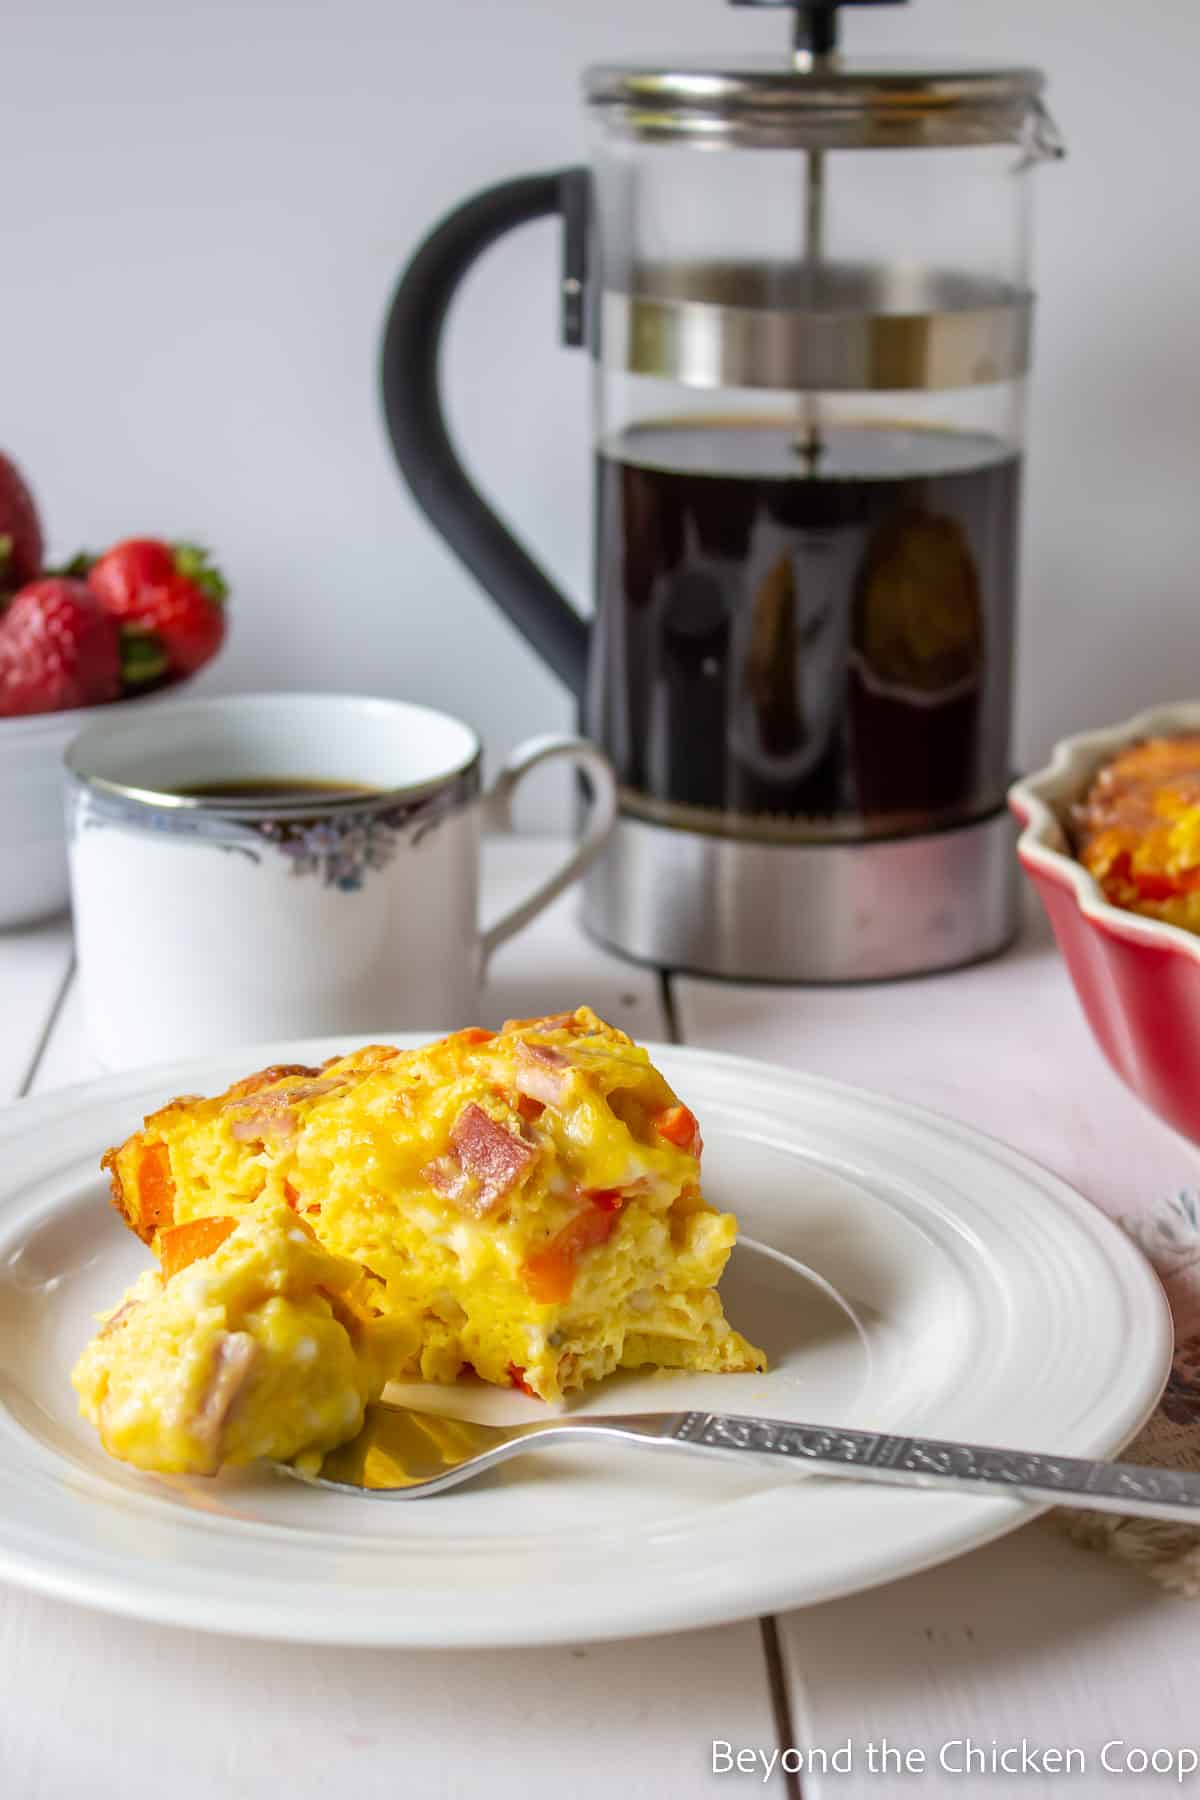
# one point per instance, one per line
(143, 658)
(193, 562)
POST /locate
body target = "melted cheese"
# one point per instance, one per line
(254, 1351)
(524, 1206)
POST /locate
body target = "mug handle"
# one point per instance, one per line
(497, 811)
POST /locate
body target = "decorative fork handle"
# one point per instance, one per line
(963, 1468)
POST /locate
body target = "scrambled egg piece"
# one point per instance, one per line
(254, 1350)
(522, 1205)
(1138, 830)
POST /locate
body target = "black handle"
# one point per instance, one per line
(413, 406)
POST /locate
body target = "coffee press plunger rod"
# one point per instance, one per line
(814, 44)
(814, 48)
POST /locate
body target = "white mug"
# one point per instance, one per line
(207, 922)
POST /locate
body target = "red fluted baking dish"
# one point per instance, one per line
(1138, 979)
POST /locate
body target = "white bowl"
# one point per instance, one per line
(33, 838)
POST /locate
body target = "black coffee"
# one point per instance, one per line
(256, 790)
(813, 643)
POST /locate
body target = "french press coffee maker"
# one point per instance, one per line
(804, 285)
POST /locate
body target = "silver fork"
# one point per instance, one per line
(401, 1454)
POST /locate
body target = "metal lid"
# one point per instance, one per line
(769, 102)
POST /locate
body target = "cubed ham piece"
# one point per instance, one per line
(485, 1162)
(446, 1175)
(309, 1090)
(271, 1115)
(235, 1356)
(542, 1073)
(551, 1022)
(278, 1123)
(283, 1096)
(253, 1084)
(493, 1155)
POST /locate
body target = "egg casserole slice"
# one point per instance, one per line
(524, 1205)
(247, 1342)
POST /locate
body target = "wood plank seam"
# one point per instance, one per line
(43, 1038)
(781, 1704)
(768, 1626)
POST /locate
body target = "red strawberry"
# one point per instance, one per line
(20, 530)
(57, 649)
(171, 590)
(189, 626)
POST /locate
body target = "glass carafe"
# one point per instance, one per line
(806, 289)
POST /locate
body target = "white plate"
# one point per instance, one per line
(951, 1288)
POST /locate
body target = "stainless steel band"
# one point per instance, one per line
(805, 912)
(868, 328)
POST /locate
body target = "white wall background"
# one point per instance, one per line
(205, 205)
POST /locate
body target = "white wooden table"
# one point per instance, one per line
(1029, 1638)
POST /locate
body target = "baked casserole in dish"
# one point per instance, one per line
(1111, 842)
